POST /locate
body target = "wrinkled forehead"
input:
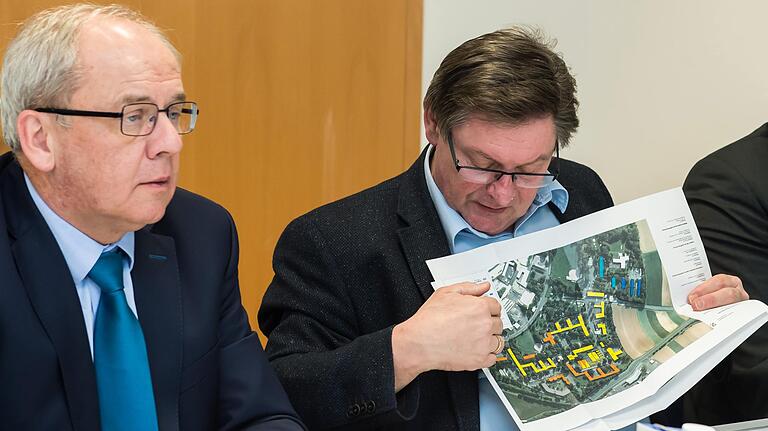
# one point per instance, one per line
(118, 57)
(504, 143)
(106, 41)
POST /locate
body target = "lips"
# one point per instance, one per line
(491, 209)
(159, 181)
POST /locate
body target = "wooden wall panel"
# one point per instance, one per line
(302, 102)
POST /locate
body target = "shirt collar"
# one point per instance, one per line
(80, 251)
(453, 222)
(555, 193)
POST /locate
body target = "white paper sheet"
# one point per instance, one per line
(597, 327)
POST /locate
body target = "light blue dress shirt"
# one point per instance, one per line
(81, 253)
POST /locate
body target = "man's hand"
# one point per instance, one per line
(719, 290)
(454, 330)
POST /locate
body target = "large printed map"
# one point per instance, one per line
(588, 320)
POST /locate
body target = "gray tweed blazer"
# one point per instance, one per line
(349, 271)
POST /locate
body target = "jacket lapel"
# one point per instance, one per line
(422, 239)
(51, 291)
(157, 290)
(586, 192)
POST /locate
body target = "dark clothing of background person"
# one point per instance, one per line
(728, 195)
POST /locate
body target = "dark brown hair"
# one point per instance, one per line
(509, 76)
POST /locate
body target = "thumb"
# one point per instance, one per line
(474, 289)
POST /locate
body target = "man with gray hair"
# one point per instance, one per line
(118, 311)
(356, 333)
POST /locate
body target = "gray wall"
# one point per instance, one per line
(662, 83)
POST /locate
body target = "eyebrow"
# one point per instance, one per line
(494, 162)
(132, 98)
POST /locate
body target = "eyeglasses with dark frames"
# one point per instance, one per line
(528, 180)
(140, 119)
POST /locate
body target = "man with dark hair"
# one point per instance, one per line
(356, 333)
(728, 195)
(119, 301)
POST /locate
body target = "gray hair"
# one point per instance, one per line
(40, 66)
(509, 76)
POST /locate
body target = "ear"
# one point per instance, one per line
(31, 128)
(430, 128)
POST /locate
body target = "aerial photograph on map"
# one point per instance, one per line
(588, 320)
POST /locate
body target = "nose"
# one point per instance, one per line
(503, 191)
(165, 139)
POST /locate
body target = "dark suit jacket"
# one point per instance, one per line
(345, 274)
(208, 369)
(728, 195)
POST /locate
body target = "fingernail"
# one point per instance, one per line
(698, 304)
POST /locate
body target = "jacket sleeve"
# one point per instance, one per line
(729, 203)
(250, 395)
(335, 375)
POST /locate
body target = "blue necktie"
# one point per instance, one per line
(126, 400)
